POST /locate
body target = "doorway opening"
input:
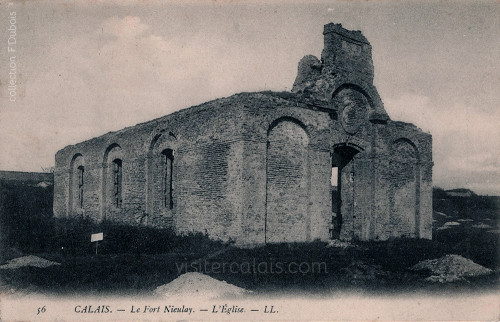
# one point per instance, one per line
(342, 183)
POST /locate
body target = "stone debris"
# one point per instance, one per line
(29, 260)
(448, 225)
(339, 244)
(481, 225)
(358, 272)
(195, 284)
(465, 220)
(43, 184)
(441, 214)
(494, 231)
(450, 268)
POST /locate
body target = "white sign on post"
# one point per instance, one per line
(96, 238)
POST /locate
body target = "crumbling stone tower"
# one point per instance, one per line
(324, 161)
(383, 168)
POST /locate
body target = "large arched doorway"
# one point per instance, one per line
(343, 186)
(287, 183)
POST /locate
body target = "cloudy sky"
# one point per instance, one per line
(89, 67)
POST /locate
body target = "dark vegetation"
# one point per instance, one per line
(28, 226)
(25, 216)
(137, 259)
(482, 245)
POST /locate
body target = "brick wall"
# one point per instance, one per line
(206, 145)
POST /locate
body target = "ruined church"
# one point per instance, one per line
(322, 161)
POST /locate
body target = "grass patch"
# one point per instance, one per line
(372, 267)
(137, 259)
(72, 238)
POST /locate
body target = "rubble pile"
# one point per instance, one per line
(195, 284)
(451, 268)
(29, 260)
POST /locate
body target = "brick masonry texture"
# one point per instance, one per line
(257, 167)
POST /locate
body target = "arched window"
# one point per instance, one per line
(111, 182)
(76, 184)
(117, 182)
(168, 201)
(160, 174)
(81, 170)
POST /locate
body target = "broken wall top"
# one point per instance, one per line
(346, 51)
(346, 61)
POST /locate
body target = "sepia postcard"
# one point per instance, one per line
(249, 160)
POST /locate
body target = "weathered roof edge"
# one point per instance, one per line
(288, 96)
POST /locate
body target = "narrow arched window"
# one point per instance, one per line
(117, 182)
(168, 201)
(80, 186)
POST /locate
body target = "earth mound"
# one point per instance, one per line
(451, 268)
(29, 260)
(194, 284)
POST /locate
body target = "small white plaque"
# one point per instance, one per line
(96, 237)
